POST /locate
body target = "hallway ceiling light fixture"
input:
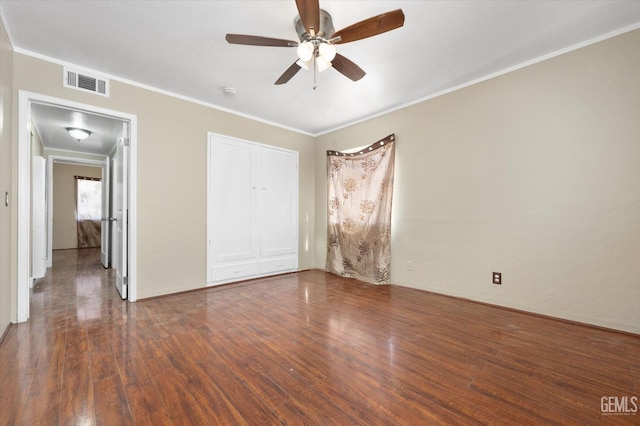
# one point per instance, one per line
(78, 134)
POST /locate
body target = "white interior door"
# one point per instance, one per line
(38, 219)
(120, 209)
(105, 222)
(112, 215)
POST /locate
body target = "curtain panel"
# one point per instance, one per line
(360, 192)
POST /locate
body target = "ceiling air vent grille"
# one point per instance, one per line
(85, 82)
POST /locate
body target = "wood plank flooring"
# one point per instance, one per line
(307, 348)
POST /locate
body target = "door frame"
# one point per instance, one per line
(25, 99)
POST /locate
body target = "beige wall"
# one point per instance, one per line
(172, 164)
(7, 302)
(65, 233)
(535, 174)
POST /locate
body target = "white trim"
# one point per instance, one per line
(51, 159)
(24, 208)
(77, 160)
(25, 99)
(132, 286)
(209, 207)
(68, 152)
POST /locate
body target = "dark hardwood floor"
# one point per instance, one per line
(306, 348)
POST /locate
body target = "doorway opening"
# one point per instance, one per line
(88, 211)
(62, 213)
(123, 149)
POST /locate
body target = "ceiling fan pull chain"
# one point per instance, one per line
(315, 73)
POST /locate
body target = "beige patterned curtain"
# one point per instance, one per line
(359, 216)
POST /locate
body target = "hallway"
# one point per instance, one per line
(77, 287)
(52, 357)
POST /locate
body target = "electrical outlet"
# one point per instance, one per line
(497, 278)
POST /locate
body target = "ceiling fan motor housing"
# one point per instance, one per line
(326, 27)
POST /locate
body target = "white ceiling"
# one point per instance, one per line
(179, 47)
(52, 121)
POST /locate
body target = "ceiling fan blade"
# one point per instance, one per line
(370, 27)
(347, 68)
(309, 11)
(253, 40)
(290, 72)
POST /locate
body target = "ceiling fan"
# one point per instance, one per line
(318, 38)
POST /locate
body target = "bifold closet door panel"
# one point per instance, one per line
(278, 202)
(234, 201)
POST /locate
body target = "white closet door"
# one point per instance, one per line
(278, 204)
(233, 202)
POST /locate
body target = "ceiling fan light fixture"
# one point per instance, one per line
(305, 50)
(305, 65)
(322, 63)
(327, 51)
(78, 134)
